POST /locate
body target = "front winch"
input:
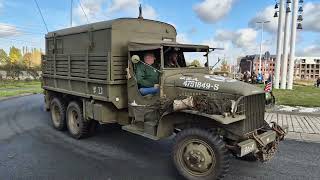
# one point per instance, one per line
(263, 146)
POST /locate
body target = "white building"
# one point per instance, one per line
(307, 68)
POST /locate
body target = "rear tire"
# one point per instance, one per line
(58, 114)
(77, 126)
(199, 154)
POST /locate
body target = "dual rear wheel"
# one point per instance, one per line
(58, 112)
(70, 117)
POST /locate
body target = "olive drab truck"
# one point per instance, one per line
(89, 77)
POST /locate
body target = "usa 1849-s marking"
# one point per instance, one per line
(195, 83)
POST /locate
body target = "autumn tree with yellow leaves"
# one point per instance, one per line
(15, 62)
(15, 55)
(225, 67)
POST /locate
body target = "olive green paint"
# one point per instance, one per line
(92, 63)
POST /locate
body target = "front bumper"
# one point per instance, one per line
(262, 142)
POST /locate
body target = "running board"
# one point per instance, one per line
(136, 130)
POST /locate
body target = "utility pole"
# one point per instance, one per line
(284, 67)
(279, 43)
(293, 44)
(71, 13)
(261, 41)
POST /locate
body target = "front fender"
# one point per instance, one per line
(168, 121)
(219, 118)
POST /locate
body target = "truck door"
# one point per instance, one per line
(145, 103)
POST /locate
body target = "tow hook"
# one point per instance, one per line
(281, 131)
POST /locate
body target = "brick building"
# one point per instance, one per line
(251, 63)
(307, 68)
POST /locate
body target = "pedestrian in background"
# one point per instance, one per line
(318, 82)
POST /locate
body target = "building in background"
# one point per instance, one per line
(250, 63)
(306, 68)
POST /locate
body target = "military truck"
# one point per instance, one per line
(89, 78)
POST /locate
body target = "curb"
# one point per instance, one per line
(16, 96)
(275, 109)
(295, 113)
(305, 137)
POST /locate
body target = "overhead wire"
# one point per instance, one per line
(79, 1)
(32, 27)
(44, 22)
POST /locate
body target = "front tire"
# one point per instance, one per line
(77, 126)
(58, 114)
(199, 154)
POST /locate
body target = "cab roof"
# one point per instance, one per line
(139, 46)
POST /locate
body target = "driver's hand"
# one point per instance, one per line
(156, 86)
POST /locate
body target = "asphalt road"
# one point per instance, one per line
(31, 149)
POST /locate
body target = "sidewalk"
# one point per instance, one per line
(301, 127)
(298, 110)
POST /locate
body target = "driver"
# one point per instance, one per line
(172, 62)
(147, 76)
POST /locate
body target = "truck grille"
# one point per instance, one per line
(254, 109)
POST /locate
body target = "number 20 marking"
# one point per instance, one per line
(97, 90)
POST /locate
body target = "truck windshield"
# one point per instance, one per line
(185, 57)
(195, 59)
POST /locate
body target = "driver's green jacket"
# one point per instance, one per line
(146, 76)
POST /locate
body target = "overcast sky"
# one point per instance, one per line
(218, 23)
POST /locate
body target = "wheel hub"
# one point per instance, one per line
(56, 115)
(74, 121)
(198, 157)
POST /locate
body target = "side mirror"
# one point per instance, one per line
(135, 59)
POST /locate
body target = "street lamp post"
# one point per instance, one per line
(260, 56)
(71, 4)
